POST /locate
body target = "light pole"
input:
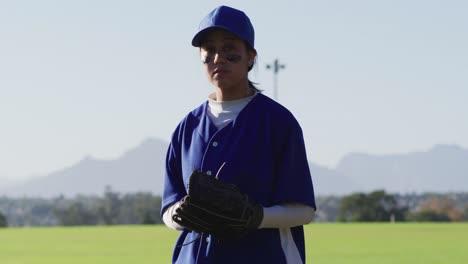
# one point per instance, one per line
(276, 66)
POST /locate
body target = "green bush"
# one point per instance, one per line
(428, 216)
(3, 221)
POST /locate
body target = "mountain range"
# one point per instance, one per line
(442, 168)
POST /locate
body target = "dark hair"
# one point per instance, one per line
(252, 85)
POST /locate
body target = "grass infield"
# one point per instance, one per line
(326, 244)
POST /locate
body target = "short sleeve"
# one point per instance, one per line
(173, 184)
(294, 181)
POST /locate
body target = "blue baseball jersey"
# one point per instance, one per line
(263, 153)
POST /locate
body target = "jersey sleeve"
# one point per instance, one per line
(294, 181)
(174, 189)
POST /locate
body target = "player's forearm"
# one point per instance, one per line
(286, 215)
(167, 217)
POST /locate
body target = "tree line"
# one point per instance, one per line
(379, 206)
(113, 208)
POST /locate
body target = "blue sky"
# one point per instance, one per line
(95, 78)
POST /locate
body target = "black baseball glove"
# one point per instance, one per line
(217, 208)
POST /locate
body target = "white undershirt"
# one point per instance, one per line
(223, 112)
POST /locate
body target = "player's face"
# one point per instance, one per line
(226, 59)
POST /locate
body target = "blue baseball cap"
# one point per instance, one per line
(229, 19)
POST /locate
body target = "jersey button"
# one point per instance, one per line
(208, 172)
(215, 144)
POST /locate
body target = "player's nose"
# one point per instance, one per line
(218, 58)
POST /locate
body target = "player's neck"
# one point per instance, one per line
(232, 93)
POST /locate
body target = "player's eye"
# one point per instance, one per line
(229, 52)
(206, 57)
(233, 57)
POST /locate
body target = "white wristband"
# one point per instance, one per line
(167, 217)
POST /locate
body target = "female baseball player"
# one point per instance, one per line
(257, 142)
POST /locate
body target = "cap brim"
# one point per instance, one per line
(198, 38)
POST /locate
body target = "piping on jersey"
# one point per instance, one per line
(290, 250)
(219, 170)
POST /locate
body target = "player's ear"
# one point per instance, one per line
(251, 54)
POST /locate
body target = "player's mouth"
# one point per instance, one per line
(219, 71)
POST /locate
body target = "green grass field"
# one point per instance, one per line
(326, 243)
